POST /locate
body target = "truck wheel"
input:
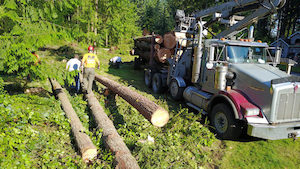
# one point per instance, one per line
(223, 121)
(176, 91)
(157, 83)
(148, 78)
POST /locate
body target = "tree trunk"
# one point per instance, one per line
(169, 40)
(123, 158)
(151, 111)
(86, 147)
(96, 17)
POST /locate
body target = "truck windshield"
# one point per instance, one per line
(246, 54)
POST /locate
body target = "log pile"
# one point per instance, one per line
(151, 111)
(155, 46)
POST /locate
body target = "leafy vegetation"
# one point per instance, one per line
(34, 130)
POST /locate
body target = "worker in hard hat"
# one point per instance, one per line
(88, 63)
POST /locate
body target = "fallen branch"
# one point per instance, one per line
(86, 147)
(151, 111)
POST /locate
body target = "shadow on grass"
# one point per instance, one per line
(61, 53)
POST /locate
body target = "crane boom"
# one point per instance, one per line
(226, 13)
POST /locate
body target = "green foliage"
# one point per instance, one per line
(70, 77)
(18, 60)
(2, 91)
(35, 133)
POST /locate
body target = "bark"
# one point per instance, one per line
(96, 17)
(123, 158)
(169, 40)
(143, 45)
(151, 111)
(162, 55)
(156, 46)
(148, 38)
(144, 54)
(86, 147)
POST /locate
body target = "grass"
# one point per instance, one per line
(262, 154)
(183, 143)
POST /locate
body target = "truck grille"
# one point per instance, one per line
(286, 104)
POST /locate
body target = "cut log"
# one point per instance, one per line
(123, 158)
(147, 38)
(169, 40)
(156, 46)
(86, 147)
(158, 39)
(162, 55)
(151, 111)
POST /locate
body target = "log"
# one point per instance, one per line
(123, 158)
(148, 38)
(151, 111)
(162, 55)
(156, 46)
(169, 40)
(143, 54)
(158, 39)
(85, 145)
(143, 45)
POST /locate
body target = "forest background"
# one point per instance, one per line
(26, 25)
(29, 137)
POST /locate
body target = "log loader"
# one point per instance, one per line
(233, 80)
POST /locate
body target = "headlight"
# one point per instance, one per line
(249, 109)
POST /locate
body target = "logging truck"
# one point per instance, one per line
(234, 81)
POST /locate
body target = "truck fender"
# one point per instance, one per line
(221, 98)
(180, 81)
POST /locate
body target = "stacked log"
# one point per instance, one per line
(158, 47)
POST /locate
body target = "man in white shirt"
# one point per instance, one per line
(74, 64)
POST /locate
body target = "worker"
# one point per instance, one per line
(88, 63)
(73, 65)
(115, 62)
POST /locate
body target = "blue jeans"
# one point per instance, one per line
(77, 87)
(77, 83)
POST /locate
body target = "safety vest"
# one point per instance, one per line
(90, 60)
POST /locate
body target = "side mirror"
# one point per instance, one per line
(277, 55)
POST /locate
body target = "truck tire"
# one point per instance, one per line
(157, 83)
(176, 91)
(224, 123)
(148, 78)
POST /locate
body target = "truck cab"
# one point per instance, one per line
(235, 85)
